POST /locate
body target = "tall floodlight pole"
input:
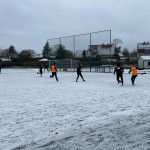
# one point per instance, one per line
(74, 48)
(110, 50)
(90, 51)
(60, 41)
(48, 61)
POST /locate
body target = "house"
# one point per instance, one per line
(122, 57)
(144, 62)
(79, 53)
(103, 50)
(143, 49)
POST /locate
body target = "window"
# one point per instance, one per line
(148, 63)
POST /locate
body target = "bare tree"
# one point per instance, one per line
(133, 53)
(117, 41)
(125, 52)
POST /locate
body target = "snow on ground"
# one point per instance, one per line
(39, 113)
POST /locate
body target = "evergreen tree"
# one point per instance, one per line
(61, 52)
(12, 53)
(46, 50)
(84, 53)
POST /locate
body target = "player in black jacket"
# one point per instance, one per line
(79, 73)
(119, 72)
(40, 70)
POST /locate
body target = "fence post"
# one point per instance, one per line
(110, 50)
(90, 52)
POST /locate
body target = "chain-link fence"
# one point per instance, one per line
(94, 44)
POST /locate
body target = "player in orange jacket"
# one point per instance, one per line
(134, 73)
(54, 71)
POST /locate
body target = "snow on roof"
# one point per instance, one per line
(5, 59)
(120, 54)
(145, 57)
(44, 59)
(143, 46)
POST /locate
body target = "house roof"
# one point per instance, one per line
(44, 59)
(5, 59)
(145, 57)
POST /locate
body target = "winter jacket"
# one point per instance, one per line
(134, 70)
(53, 68)
(79, 69)
(119, 70)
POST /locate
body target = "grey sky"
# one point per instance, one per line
(27, 24)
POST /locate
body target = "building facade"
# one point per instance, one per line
(143, 49)
(103, 50)
(144, 62)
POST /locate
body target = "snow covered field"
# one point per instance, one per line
(38, 113)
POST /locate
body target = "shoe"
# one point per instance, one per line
(76, 81)
(83, 80)
(119, 81)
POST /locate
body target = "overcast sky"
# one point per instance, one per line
(27, 24)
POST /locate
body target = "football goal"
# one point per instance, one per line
(62, 64)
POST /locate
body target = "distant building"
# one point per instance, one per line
(144, 62)
(79, 53)
(122, 57)
(143, 49)
(104, 50)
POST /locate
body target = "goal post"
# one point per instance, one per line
(65, 64)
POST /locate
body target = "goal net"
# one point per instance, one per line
(62, 64)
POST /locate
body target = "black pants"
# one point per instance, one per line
(133, 78)
(79, 74)
(54, 74)
(41, 72)
(120, 76)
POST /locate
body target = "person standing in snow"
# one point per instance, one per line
(0, 67)
(134, 74)
(54, 71)
(46, 67)
(119, 73)
(79, 73)
(40, 70)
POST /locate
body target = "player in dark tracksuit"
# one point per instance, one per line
(79, 73)
(40, 70)
(0, 68)
(54, 71)
(119, 72)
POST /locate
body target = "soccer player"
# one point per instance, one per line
(119, 72)
(79, 73)
(134, 74)
(46, 67)
(40, 70)
(54, 71)
(0, 67)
